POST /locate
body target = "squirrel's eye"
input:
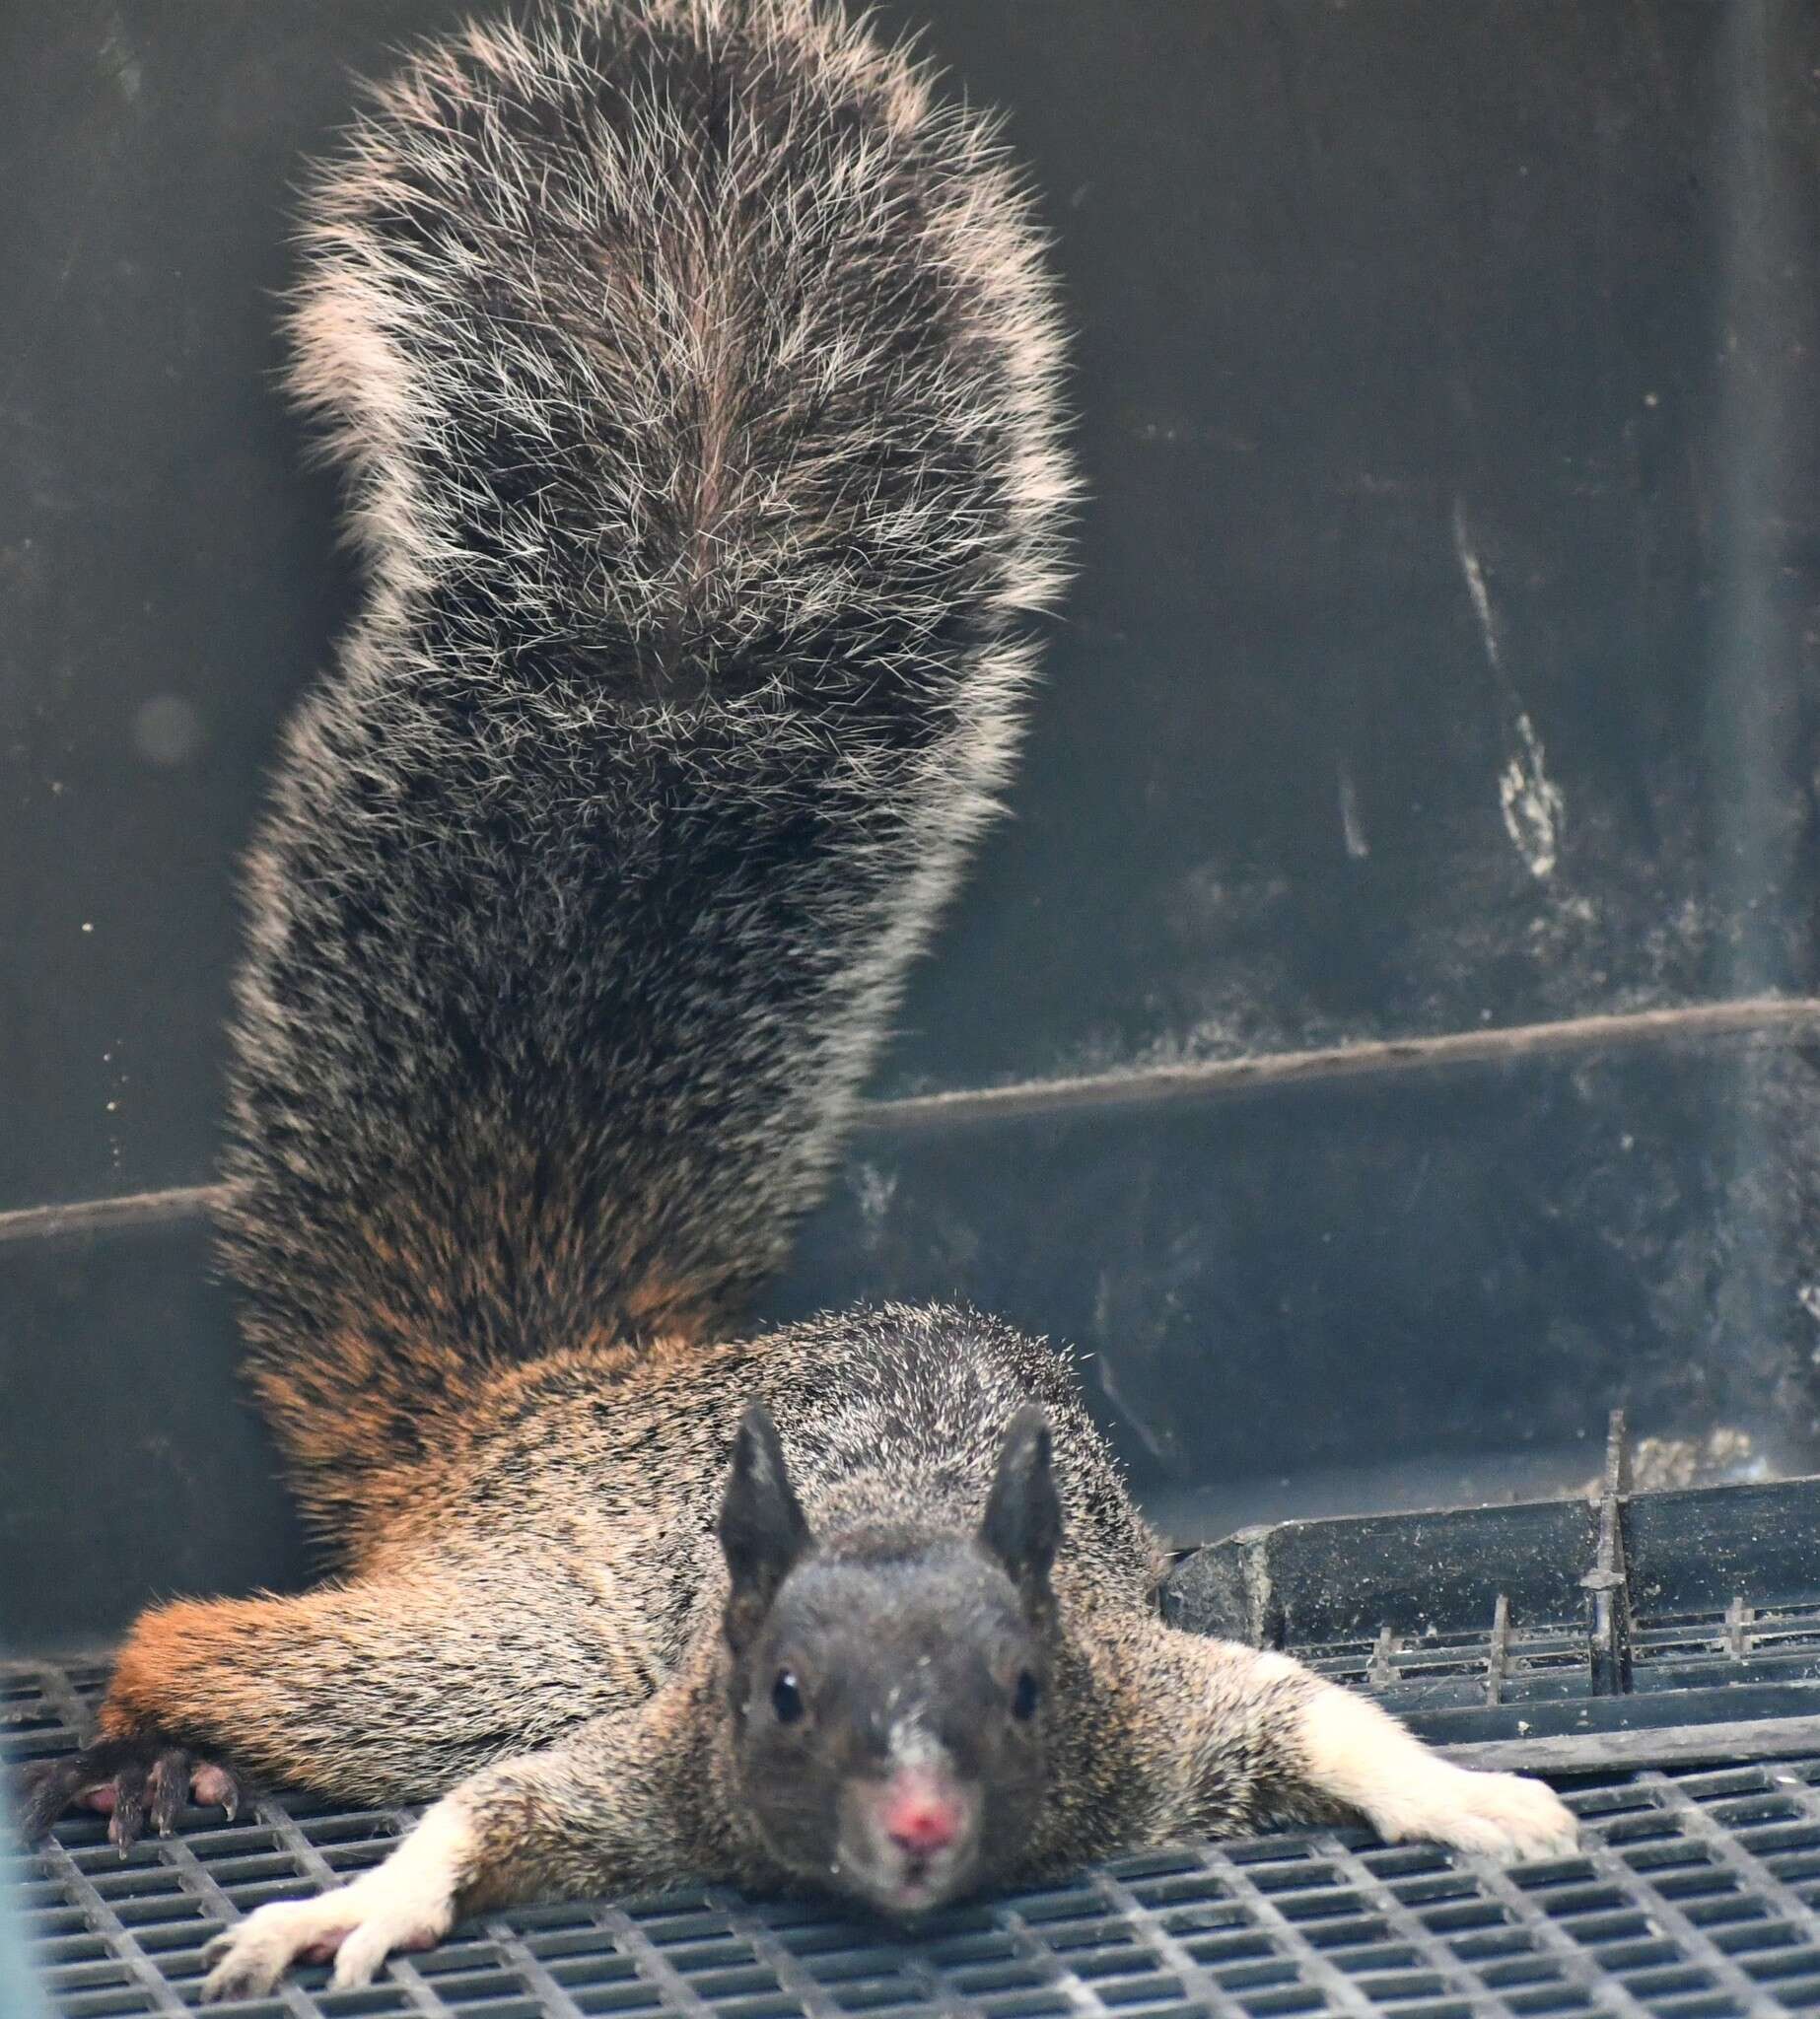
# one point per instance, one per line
(786, 1697)
(1024, 1696)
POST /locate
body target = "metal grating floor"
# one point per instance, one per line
(1695, 1893)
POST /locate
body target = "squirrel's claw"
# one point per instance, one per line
(130, 1781)
(247, 1961)
(250, 1959)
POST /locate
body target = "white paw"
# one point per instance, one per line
(407, 1903)
(248, 1960)
(352, 1924)
(1504, 1816)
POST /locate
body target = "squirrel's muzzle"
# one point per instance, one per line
(909, 1840)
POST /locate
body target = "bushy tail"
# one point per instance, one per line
(695, 376)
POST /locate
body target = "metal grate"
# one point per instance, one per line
(1739, 1648)
(1696, 1894)
(1556, 1617)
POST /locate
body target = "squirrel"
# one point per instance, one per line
(693, 367)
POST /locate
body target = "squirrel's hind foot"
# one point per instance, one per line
(132, 1782)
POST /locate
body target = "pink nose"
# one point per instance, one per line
(918, 1818)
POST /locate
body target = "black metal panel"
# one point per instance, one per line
(1476, 1260)
(1693, 1550)
(1438, 376)
(168, 577)
(1451, 458)
(1307, 1583)
(130, 1467)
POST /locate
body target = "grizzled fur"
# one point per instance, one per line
(695, 375)
(695, 372)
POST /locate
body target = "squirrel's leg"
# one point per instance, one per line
(618, 1803)
(1255, 1737)
(387, 1688)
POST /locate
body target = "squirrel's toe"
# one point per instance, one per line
(215, 1787)
(130, 1795)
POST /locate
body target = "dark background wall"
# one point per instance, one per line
(1442, 662)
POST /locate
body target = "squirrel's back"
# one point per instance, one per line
(694, 373)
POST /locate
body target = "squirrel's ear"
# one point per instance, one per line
(762, 1529)
(1024, 1511)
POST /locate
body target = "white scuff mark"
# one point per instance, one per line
(116, 54)
(1474, 571)
(874, 1191)
(1808, 1296)
(1356, 845)
(1152, 1444)
(1532, 802)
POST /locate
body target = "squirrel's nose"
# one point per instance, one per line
(920, 1816)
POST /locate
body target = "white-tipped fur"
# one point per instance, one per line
(356, 305)
(695, 375)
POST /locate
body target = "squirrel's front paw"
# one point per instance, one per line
(1504, 1816)
(248, 1960)
(407, 1903)
(130, 1781)
(359, 1933)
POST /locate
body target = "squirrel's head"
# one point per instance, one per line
(891, 1693)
